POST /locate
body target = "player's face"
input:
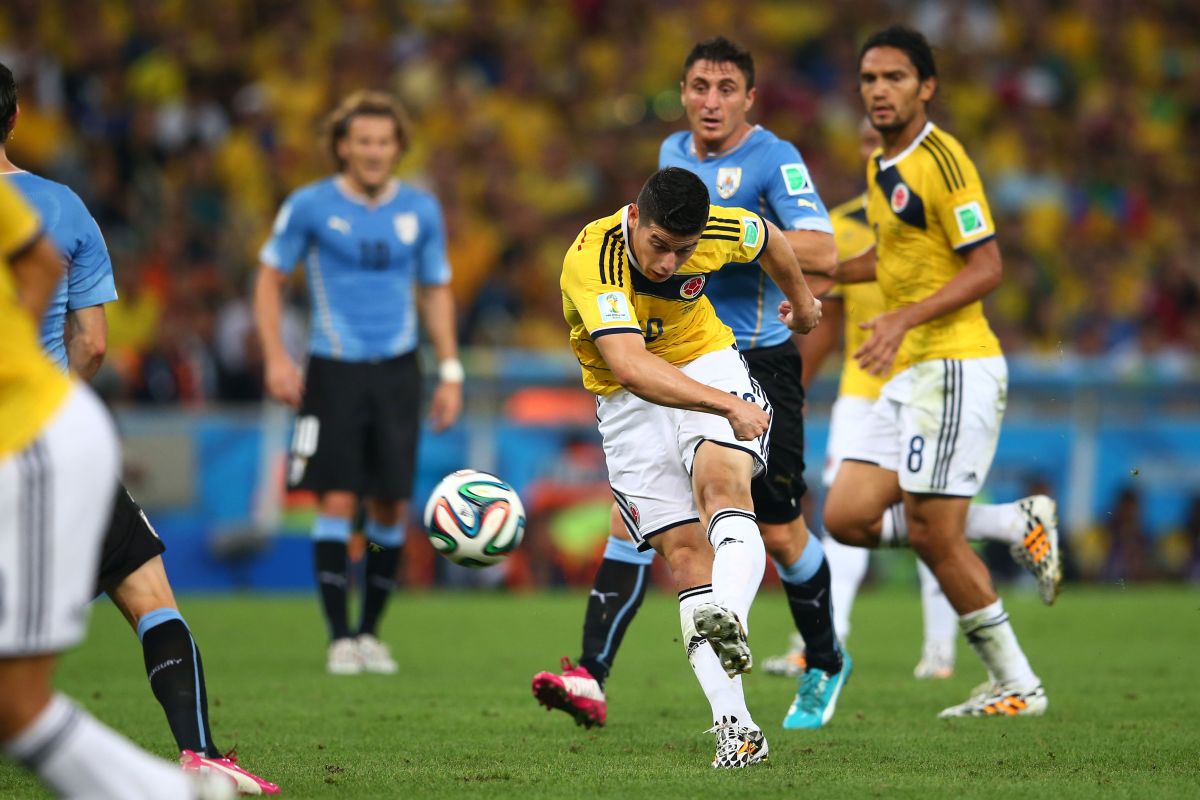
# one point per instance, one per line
(716, 100)
(369, 151)
(659, 252)
(892, 92)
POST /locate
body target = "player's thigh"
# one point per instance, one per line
(54, 501)
(143, 590)
(616, 525)
(330, 434)
(721, 478)
(395, 426)
(129, 542)
(950, 425)
(650, 484)
(777, 492)
(854, 506)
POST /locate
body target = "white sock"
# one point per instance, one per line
(739, 559)
(847, 568)
(994, 523)
(77, 756)
(992, 637)
(941, 620)
(724, 694)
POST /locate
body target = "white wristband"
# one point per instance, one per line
(451, 371)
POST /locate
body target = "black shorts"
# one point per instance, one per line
(128, 544)
(777, 491)
(357, 428)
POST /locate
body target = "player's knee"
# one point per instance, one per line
(715, 494)
(338, 504)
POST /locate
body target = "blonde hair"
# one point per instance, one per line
(365, 103)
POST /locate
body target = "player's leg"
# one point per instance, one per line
(940, 628)
(385, 530)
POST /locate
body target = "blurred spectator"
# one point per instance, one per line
(1129, 554)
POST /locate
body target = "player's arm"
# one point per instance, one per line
(86, 338)
(860, 269)
(654, 380)
(818, 344)
(283, 381)
(436, 305)
(37, 268)
(980, 275)
(801, 311)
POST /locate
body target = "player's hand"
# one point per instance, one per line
(748, 420)
(446, 406)
(803, 320)
(283, 382)
(878, 353)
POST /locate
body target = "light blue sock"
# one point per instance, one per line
(806, 565)
(386, 535)
(155, 618)
(330, 529)
(626, 551)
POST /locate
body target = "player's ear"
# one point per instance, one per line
(633, 217)
(750, 95)
(928, 88)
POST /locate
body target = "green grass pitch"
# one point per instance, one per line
(1120, 666)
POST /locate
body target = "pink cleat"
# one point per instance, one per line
(246, 783)
(574, 691)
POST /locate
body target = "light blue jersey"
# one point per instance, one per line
(89, 276)
(362, 264)
(764, 174)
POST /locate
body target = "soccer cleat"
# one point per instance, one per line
(790, 665)
(817, 696)
(344, 658)
(1038, 550)
(226, 767)
(737, 745)
(998, 700)
(937, 661)
(724, 631)
(375, 655)
(574, 691)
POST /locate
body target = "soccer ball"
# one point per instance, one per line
(474, 518)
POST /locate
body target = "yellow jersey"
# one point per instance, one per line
(603, 292)
(927, 208)
(862, 301)
(31, 388)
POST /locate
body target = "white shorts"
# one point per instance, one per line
(936, 425)
(845, 418)
(55, 500)
(649, 448)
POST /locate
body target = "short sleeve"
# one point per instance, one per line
(19, 223)
(741, 234)
(433, 265)
(602, 304)
(289, 236)
(791, 193)
(960, 205)
(90, 275)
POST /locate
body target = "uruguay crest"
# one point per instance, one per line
(407, 227)
(729, 179)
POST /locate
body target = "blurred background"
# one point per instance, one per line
(183, 124)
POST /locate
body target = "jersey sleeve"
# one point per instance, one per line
(90, 274)
(289, 235)
(19, 223)
(740, 235)
(603, 305)
(433, 265)
(960, 205)
(790, 192)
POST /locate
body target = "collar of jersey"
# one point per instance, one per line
(628, 239)
(889, 163)
(691, 144)
(384, 198)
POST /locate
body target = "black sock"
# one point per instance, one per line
(380, 583)
(812, 611)
(617, 594)
(176, 676)
(333, 575)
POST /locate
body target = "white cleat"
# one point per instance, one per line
(1038, 549)
(343, 658)
(737, 745)
(375, 655)
(790, 665)
(998, 700)
(725, 633)
(937, 661)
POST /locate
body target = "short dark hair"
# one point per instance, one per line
(8, 102)
(676, 200)
(365, 104)
(720, 50)
(912, 42)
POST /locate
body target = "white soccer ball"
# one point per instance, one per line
(474, 518)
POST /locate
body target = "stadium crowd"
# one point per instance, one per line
(182, 124)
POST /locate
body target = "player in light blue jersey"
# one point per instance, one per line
(746, 166)
(374, 254)
(74, 334)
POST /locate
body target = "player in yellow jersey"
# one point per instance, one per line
(930, 438)
(685, 427)
(58, 474)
